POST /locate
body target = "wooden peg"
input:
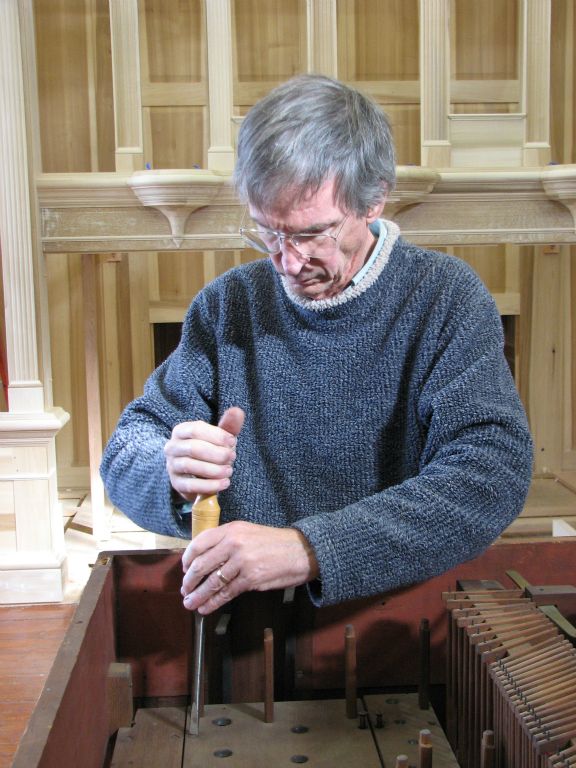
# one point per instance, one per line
(425, 749)
(424, 677)
(487, 750)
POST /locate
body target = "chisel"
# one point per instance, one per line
(205, 514)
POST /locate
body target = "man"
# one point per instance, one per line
(347, 396)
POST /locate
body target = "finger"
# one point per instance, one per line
(191, 487)
(202, 430)
(204, 554)
(188, 466)
(201, 450)
(214, 592)
(232, 420)
(202, 576)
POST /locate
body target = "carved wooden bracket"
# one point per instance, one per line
(559, 183)
(413, 184)
(176, 194)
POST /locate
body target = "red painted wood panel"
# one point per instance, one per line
(30, 636)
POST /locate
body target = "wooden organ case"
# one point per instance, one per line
(130, 216)
(474, 668)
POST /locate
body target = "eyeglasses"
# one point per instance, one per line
(311, 244)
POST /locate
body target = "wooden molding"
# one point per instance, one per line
(166, 210)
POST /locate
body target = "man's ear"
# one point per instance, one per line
(375, 211)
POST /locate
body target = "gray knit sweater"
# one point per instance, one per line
(384, 424)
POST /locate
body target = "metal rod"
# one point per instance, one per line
(194, 722)
(268, 675)
(350, 672)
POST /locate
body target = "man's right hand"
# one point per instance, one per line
(199, 456)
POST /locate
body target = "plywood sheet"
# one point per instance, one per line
(324, 736)
(317, 732)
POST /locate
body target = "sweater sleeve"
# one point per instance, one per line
(475, 469)
(133, 465)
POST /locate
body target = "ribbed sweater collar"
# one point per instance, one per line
(352, 291)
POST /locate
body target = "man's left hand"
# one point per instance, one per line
(221, 563)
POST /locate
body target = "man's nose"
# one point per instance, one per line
(292, 260)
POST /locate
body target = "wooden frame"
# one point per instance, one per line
(131, 614)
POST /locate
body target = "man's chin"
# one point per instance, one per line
(309, 290)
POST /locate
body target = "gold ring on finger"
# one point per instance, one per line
(222, 578)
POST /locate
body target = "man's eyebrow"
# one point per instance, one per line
(317, 228)
(312, 229)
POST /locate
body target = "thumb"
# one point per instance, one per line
(232, 420)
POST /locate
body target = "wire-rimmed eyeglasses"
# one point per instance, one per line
(310, 244)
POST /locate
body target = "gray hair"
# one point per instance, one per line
(307, 131)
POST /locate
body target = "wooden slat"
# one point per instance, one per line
(75, 692)
(156, 739)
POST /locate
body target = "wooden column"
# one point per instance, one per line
(536, 29)
(322, 37)
(547, 336)
(33, 558)
(126, 81)
(434, 82)
(219, 41)
(100, 522)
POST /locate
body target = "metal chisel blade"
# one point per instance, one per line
(194, 723)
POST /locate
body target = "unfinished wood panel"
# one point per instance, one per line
(63, 85)
(543, 351)
(140, 330)
(102, 86)
(156, 738)
(269, 39)
(405, 122)
(74, 85)
(468, 107)
(488, 262)
(180, 276)
(563, 82)
(64, 282)
(476, 24)
(178, 137)
(116, 361)
(175, 41)
(573, 345)
(549, 498)
(92, 358)
(383, 44)
(127, 89)
(499, 269)
(100, 92)
(378, 52)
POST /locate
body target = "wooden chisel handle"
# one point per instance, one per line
(205, 514)
(206, 509)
